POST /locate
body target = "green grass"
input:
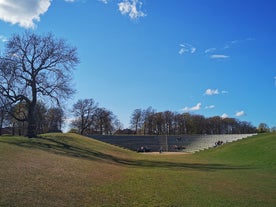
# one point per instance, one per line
(71, 170)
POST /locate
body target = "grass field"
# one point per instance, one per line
(71, 170)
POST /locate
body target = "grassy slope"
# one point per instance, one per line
(70, 170)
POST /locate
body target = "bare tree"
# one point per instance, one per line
(117, 125)
(83, 111)
(54, 119)
(263, 128)
(273, 129)
(148, 117)
(3, 114)
(34, 67)
(103, 121)
(168, 117)
(180, 124)
(136, 120)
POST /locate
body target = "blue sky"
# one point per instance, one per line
(208, 57)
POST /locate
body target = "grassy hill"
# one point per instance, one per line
(71, 170)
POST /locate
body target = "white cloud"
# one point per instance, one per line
(193, 49)
(24, 12)
(210, 50)
(210, 92)
(228, 44)
(186, 48)
(240, 113)
(193, 108)
(69, 0)
(224, 116)
(181, 51)
(3, 38)
(218, 56)
(132, 8)
(231, 43)
(275, 80)
(210, 107)
(104, 1)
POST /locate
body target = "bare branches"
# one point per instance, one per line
(37, 66)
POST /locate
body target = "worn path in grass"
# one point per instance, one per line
(71, 170)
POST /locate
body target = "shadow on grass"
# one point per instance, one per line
(62, 148)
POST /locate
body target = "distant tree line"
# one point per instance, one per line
(89, 118)
(13, 120)
(150, 122)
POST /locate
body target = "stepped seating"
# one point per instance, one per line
(130, 142)
(201, 142)
(185, 143)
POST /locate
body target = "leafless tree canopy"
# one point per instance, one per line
(148, 121)
(92, 119)
(83, 111)
(36, 67)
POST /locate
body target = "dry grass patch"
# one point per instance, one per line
(35, 177)
(71, 170)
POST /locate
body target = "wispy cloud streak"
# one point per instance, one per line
(210, 50)
(186, 48)
(210, 107)
(210, 92)
(232, 43)
(240, 113)
(219, 53)
(193, 108)
(219, 56)
(104, 1)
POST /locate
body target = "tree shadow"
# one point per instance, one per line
(59, 147)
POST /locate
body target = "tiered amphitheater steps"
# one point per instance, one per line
(190, 143)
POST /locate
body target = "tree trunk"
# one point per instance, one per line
(32, 126)
(31, 122)
(1, 123)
